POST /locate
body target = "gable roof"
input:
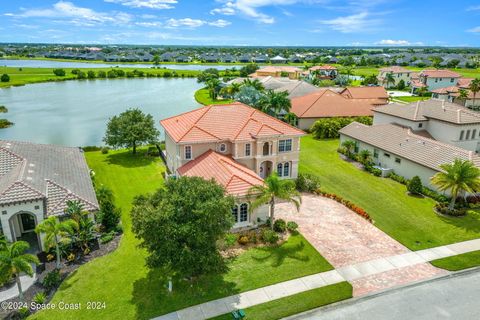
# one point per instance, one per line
(28, 169)
(432, 108)
(440, 74)
(327, 103)
(378, 92)
(234, 177)
(404, 143)
(325, 67)
(279, 69)
(395, 69)
(229, 122)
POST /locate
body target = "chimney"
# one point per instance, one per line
(443, 105)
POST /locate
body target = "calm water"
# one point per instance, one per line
(75, 113)
(62, 64)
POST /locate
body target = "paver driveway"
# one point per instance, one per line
(344, 238)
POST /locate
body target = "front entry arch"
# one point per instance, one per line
(22, 227)
(266, 169)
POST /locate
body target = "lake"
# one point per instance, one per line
(75, 113)
(64, 64)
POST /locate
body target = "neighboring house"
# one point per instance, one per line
(278, 71)
(36, 181)
(234, 144)
(399, 149)
(328, 104)
(278, 59)
(322, 72)
(452, 94)
(377, 95)
(435, 79)
(398, 73)
(443, 121)
(295, 88)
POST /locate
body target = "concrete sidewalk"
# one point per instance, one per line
(348, 273)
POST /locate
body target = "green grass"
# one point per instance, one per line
(203, 97)
(459, 262)
(132, 291)
(409, 220)
(297, 303)
(410, 99)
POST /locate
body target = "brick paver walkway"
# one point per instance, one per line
(344, 239)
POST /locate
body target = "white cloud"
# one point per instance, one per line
(220, 23)
(393, 42)
(473, 8)
(475, 30)
(149, 24)
(360, 22)
(228, 11)
(76, 15)
(151, 4)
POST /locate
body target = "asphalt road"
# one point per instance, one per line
(455, 297)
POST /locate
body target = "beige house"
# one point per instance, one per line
(278, 71)
(234, 144)
(398, 74)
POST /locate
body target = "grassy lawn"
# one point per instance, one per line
(460, 262)
(203, 97)
(131, 291)
(304, 301)
(410, 99)
(409, 220)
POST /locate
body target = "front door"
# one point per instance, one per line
(28, 222)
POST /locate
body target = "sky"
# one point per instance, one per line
(243, 22)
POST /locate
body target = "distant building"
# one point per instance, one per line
(278, 71)
(398, 74)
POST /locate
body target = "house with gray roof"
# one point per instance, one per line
(36, 181)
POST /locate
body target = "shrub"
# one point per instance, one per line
(292, 226)
(414, 186)
(71, 257)
(361, 212)
(101, 74)
(52, 280)
(5, 78)
(307, 182)
(243, 240)
(75, 71)
(108, 215)
(91, 74)
(230, 240)
(59, 72)
(105, 150)
(280, 225)
(330, 127)
(392, 175)
(91, 148)
(40, 298)
(434, 195)
(443, 209)
(24, 312)
(270, 236)
(107, 237)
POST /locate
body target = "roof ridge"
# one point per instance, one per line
(455, 148)
(239, 167)
(69, 192)
(321, 93)
(247, 120)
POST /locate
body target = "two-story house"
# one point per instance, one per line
(397, 73)
(435, 79)
(323, 72)
(443, 121)
(234, 144)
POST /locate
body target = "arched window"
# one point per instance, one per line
(280, 169)
(235, 213)
(243, 212)
(223, 147)
(286, 169)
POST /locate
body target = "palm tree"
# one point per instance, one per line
(213, 86)
(290, 118)
(421, 92)
(55, 231)
(365, 156)
(475, 88)
(389, 79)
(463, 95)
(459, 177)
(14, 261)
(349, 146)
(273, 189)
(276, 103)
(256, 84)
(74, 210)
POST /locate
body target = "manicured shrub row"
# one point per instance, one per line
(424, 190)
(307, 182)
(329, 127)
(361, 212)
(456, 212)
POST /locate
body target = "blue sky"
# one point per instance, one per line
(243, 22)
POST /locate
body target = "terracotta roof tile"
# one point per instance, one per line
(395, 69)
(440, 74)
(234, 177)
(365, 92)
(325, 67)
(230, 122)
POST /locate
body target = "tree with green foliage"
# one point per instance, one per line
(214, 87)
(5, 78)
(248, 69)
(55, 233)
(131, 129)
(59, 72)
(401, 85)
(275, 103)
(474, 87)
(459, 177)
(327, 128)
(91, 74)
(414, 185)
(274, 189)
(436, 61)
(156, 60)
(14, 261)
(463, 95)
(453, 63)
(365, 156)
(108, 215)
(181, 223)
(208, 74)
(370, 80)
(422, 91)
(249, 96)
(389, 79)
(349, 146)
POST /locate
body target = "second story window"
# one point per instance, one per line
(461, 134)
(223, 147)
(248, 150)
(188, 152)
(285, 145)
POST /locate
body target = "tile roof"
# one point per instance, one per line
(327, 103)
(325, 67)
(297, 88)
(27, 171)
(377, 92)
(234, 177)
(402, 142)
(230, 122)
(395, 69)
(446, 90)
(434, 109)
(279, 69)
(440, 74)
(464, 82)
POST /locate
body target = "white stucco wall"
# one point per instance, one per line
(437, 83)
(381, 118)
(11, 210)
(450, 133)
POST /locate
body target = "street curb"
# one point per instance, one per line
(367, 297)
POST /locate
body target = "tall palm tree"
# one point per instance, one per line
(213, 86)
(459, 177)
(421, 92)
(276, 103)
(256, 84)
(349, 146)
(14, 261)
(273, 189)
(389, 79)
(475, 88)
(74, 210)
(463, 95)
(55, 231)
